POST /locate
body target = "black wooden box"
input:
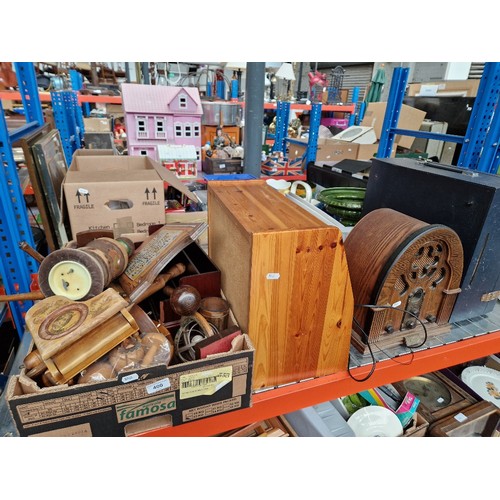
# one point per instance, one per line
(466, 201)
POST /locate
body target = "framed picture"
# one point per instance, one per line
(26, 143)
(99, 140)
(51, 167)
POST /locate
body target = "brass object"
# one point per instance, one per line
(216, 311)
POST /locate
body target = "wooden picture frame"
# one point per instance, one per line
(25, 144)
(51, 166)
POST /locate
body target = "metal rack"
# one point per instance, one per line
(480, 145)
(17, 267)
(68, 118)
(466, 341)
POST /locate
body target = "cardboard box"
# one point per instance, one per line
(327, 150)
(121, 193)
(136, 401)
(97, 124)
(467, 88)
(332, 150)
(409, 118)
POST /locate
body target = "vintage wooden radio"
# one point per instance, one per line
(405, 273)
(285, 274)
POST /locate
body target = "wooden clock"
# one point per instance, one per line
(439, 396)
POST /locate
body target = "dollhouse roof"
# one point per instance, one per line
(138, 98)
(176, 152)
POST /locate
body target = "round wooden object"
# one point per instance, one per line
(127, 243)
(71, 273)
(391, 257)
(103, 262)
(117, 254)
(185, 300)
(34, 364)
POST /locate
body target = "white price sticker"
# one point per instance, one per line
(160, 385)
(273, 276)
(460, 417)
(130, 378)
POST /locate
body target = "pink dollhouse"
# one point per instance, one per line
(157, 115)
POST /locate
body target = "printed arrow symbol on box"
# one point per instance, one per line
(79, 194)
(153, 192)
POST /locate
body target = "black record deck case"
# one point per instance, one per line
(465, 200)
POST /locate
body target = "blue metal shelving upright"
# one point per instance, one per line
(77, 84)
(312, 142)
(16, 266)
(68, 118)
(480, 144)
(282, 120)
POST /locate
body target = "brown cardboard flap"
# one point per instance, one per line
(172, 179)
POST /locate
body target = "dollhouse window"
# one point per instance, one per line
(183, 101)
(143, 152)
(196, 129)
(197, 154)
(142, 131)
(160, 128)
(187, 130)
(178, 130)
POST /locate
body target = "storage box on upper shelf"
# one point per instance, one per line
(333, 150)
(409, 118)
(285, 275)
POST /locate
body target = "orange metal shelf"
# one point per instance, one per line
(45, 97)
(340, 108)
(300, 395)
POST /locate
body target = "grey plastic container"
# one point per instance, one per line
(322, 420)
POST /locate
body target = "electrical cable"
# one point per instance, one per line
(370, 306)
(374, 362)
(393, 358)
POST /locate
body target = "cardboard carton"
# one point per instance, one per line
(135, 401)
(333, 150)
(467, 88)
(409, 118)
(121, 193)
(95, 124)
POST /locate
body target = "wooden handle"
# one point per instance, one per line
(205, 325)
(31, 251)
(161, 280)
(22, 296)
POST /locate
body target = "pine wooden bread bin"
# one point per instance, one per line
(284, 273)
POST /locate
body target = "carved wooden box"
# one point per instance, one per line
(285, 275)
